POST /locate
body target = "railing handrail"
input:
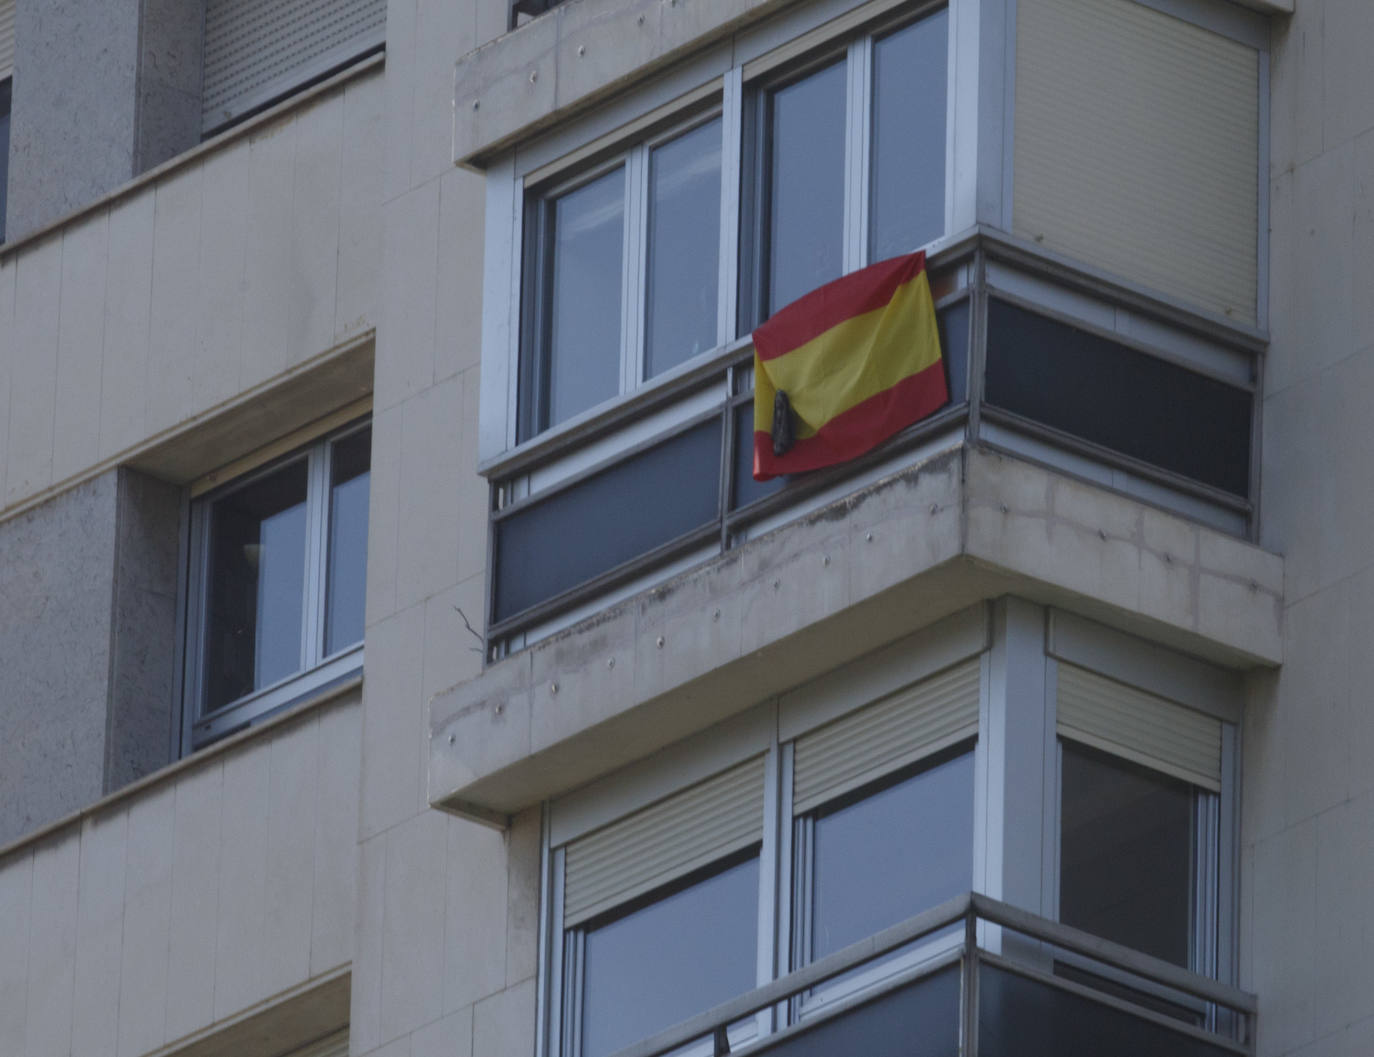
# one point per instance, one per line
(969, 906)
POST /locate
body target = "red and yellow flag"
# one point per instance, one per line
(859, 360)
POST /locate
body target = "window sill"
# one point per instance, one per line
(343, 669)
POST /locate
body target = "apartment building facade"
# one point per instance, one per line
(398, 657)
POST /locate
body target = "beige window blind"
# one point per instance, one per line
(1140, 727)
(663, 842)
(1137, 148)
(256, 50)
(897, 730)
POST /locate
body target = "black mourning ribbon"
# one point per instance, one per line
(783, 435)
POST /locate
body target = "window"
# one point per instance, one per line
(278, 563)
(629, 269)
(681, 904)
(1140, 780)
(888, 788)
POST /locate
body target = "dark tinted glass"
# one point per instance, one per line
(1119, 398)
(806, 185)
(684, 248)
(907, 207)
(1018, 1017)
(256, 576)
(4, 151)
(610, 518)
(1126, 850)
(582, 367)
(746, 489)
(890, 854)
(676, 957)
(953, 323)
(918, 1020)
(347, 560)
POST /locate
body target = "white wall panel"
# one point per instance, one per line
(1137, 148)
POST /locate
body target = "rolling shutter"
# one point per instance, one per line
(1137, 148)
(256, 50)
(663, 842)
(335, 1045)
(920, 720)
(1140, 727)
(6, 38)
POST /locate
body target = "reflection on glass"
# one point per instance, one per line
(885, 856)
(1125, 853)
(670, 959)
(346, 580)
(256, 586)
(684, 247)
(806, 186)
(907, 207)
(583, 359)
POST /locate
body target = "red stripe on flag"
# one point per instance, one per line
(859, 428)
(851, 295)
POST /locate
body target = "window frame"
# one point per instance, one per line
(724, 81)
(1017, 647)
(318, 671)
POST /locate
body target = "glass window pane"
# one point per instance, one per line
(607, 519)
(1125, 859)
(1019, 1017)
(583, 360)
(806, 185)
(920, 1019)
(883, 857)
(677, 956)
(256, 578)
(684, 248)
(1119, 397)
(347, 576)
(907, 208)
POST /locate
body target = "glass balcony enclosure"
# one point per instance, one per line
(1048, 362)
(999, 988)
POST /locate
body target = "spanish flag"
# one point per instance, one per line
(855, 360)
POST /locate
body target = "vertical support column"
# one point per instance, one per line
(982, 79)
(1014, 739)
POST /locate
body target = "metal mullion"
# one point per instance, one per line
(858, 112)
(1128, 341)
(771, 873)
(316, 557)
(977, 350)
(513, 507)
(787, 881)
(198, 592)
(634, 279)
(554, 1046)
(731, 177)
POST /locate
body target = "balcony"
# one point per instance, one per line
(1001, 985)
(1046, 362)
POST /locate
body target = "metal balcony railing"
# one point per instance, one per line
(994, 990)
(1044, 361)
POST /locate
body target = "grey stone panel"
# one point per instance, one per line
(169, 80)
(73, 108)
(142, 659)
(56, 577)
